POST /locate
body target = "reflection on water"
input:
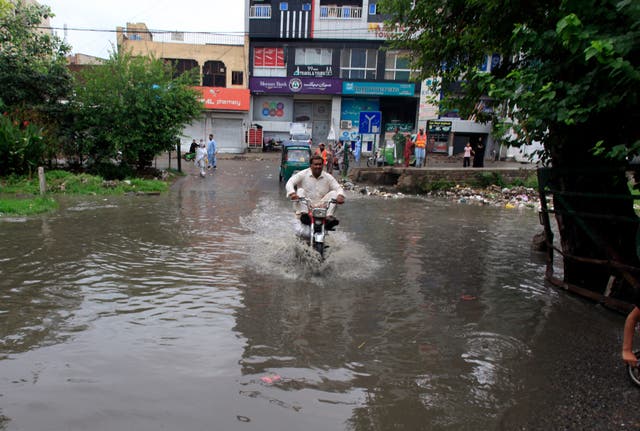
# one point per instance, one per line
(201, 310)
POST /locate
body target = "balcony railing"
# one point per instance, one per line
(340, 12)
(260, 12)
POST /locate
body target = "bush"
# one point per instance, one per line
(486, 179)
(22, 147)
(111, 171)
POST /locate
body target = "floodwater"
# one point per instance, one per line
(199, 310)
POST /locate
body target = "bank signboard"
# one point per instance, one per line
(301, 85)
(378, 88)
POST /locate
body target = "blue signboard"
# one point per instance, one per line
(370, 122)
(378, 88)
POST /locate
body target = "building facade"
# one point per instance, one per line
(222, 69)
(322, 63)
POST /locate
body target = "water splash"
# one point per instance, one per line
(274, 249)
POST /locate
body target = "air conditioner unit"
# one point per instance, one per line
(345, 124)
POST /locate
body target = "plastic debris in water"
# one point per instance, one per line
(271, 379)
(468, 297)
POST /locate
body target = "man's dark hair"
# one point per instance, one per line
(316, 156)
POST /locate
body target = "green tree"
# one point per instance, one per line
(134, 106)
(34, 79)
(33, 67)
(568, 78)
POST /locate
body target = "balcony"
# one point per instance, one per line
(260, 12)
(340, 12)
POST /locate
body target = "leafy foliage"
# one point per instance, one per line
(567, 67)
(21, 146)
(34, 78)
(569, 78)
(33, 68)
(133, 107)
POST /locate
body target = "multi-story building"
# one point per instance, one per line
(222, 69)
(322, 62)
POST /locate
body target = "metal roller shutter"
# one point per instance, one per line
(228, 135)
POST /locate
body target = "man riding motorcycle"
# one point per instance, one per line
(318, 186)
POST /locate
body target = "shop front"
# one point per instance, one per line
(280, 101)
(397, 102)
(225, 115)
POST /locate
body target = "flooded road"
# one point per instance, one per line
(198, 310)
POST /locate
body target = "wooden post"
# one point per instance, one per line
(43, 182)
(179, 155)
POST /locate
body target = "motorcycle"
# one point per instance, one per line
(314, 225)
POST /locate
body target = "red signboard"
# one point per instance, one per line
(268, 57)
(227, 99)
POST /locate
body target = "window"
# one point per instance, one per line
(358, 63)
(237, 78)
(306, 7)
(260, 11)
(284, 6)
(372, 9)
(397, 66)
(214, 74)
(340, 12)
(314, 56)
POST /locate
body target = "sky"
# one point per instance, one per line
(219, 16)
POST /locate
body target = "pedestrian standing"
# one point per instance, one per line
(201, 158)
(478, 156)
(398, 141)
(212, 150)
(322, 152)
(421, 144)
(338, 156)
(408, 151)
(468, 152)
(346, 150)
(331, 160)
(357, 150)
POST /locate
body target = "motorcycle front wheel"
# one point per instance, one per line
(319, 247)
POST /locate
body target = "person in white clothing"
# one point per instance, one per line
(317, 186)
(201, 158)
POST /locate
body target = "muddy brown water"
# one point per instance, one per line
(199, 310)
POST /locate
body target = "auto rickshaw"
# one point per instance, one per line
(295, 157)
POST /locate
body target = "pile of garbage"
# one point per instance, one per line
(506, 197)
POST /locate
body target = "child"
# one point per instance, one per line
(201, 158)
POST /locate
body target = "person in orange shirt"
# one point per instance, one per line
(321, 151)
(421, 148)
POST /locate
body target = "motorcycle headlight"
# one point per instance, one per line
(319, 212)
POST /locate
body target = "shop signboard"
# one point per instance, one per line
(295, 85)
(227, 99)
(313, 71)
(438, 132)
(378, 88)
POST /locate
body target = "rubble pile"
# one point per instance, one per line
(507, 197)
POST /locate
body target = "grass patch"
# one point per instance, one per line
(530, 182)
(80, 184)
(437, 185)
(26, 206)
(20, 195)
